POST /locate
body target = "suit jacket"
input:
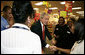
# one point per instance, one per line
(36, 28)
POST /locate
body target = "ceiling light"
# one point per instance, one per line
(73, 1)
(64, 2)
(80, 12)
(76, 8)
(40, 3)
(53, 8)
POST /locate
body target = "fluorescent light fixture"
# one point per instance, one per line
(64, 2)
(80, 12)
(76, 8)
(53, 8)
(36, 8)
(73, 1)
(40, 3)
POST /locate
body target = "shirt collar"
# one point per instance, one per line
(41, 23)
(21, 25)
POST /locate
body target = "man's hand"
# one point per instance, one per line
(52, 48)
(53, 41)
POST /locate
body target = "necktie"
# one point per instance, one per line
(43, 32)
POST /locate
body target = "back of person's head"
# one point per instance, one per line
(79, 29)
(73, 20)
(21, 10)
(6, 8)
(62, 18)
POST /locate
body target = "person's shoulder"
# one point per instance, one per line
(34, 35)
(2, 17)
(31, 33)
(36, 24)
(5, 30)
(65, 25)
(57, 25)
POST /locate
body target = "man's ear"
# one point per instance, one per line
(28, 20)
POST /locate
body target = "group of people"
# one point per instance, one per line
(18, 38)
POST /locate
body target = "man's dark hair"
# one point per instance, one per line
(79, 29)
(6, 8)
(21, 10)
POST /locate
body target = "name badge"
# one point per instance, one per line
(68, 32)
(57, 29)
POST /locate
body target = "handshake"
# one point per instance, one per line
(53, 48)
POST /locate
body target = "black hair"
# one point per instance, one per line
(62, 18)
(73, 20)
(5, 8)
(79, 29)
(21, 10)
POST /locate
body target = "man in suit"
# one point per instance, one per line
(40, 28)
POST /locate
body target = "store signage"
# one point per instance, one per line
(37, 16)
(46, 3)
(63, 13)
(68, 6)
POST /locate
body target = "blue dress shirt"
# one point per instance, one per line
(4, 23)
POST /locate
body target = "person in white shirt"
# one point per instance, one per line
(78, 48)
(19, 39)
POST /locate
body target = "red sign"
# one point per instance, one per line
(68, 6)
(37, 16)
